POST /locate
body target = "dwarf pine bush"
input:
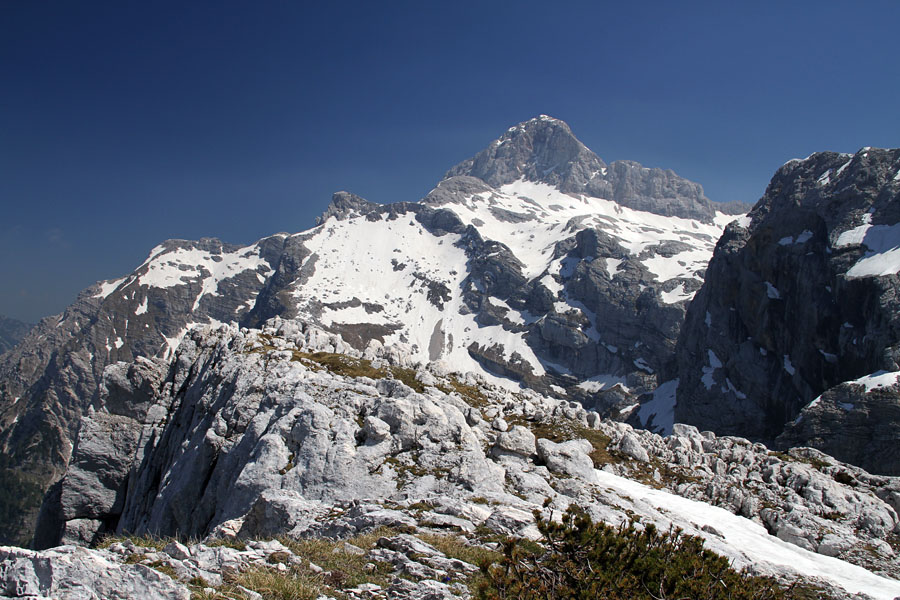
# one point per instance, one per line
(580, 559)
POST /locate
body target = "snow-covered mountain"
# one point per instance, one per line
(533, 263)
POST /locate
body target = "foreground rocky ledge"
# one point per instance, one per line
(287, 431)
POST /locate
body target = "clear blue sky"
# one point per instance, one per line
(125, 123)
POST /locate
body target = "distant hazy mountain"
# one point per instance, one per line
(11, 331)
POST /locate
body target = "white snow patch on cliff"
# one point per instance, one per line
(883, 256)
(677, 294)
(661, 407)
(108, 287)
(854, 237)
(142, 308)
(598, 383)
(804, 237)
(714, 363)
(788, 366)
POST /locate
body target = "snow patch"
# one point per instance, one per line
(788, 366)
(640, 363)
(108, 287)
(599, 383)
(855, 236)
(844, 166)
(143, 306)
(879, 379)
(661, 407)
(804, 237)
(883, 255)
(744, 542)
(772, 292)
(714, 363)
(678, 294)
(744, 221)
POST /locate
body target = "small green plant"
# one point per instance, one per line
(144, 541)
(228, 543)
(581, 559)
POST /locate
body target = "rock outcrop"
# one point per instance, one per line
(263, 433)
(51, 378)
(800, 297)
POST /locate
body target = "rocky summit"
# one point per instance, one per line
(534, 264)
(369, 407)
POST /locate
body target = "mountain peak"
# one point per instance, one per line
(545, 150)
(542, 149)
(344, 205)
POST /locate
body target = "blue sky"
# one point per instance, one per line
(126, 123)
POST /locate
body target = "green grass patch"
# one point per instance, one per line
(143, 541)
(348, 569)
(470, 394)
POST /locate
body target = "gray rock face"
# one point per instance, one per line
(11, 332)
(846, 414)
(88, 501)
(81, 574)
(51, 378)
(798, 299)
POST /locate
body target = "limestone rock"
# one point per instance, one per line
(81, 574)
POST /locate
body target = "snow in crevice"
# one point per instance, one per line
(142, 308)
(708, 371)
(598, 383)
(844, 166)
(788, 366)
(802, 238)
(661, 407)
